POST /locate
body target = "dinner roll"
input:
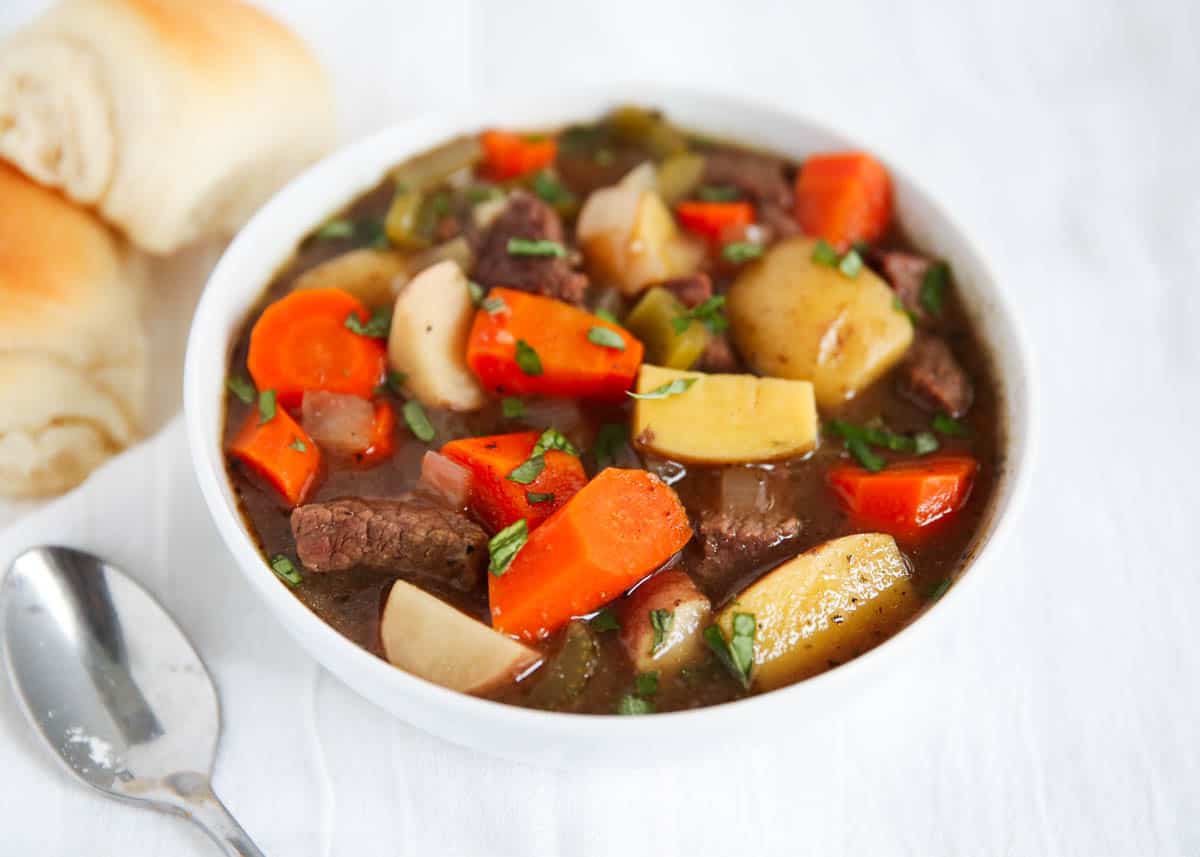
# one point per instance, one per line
(175, 119)
(72, 348)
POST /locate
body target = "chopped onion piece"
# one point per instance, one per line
(448, 479)
(337, 422)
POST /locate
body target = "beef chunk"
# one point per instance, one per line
(735, 543)
(718, 356)
(410, 534)
(527, 217)
(691, 291)
(778, 222)
(759, 177)
(904, 272)
(932, 378)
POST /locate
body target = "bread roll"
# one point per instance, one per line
(72, 348)
(175, 119)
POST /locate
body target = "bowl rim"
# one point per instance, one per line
(569, 105)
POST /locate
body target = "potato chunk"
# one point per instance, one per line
(428, 342)
(687, 612)
(427, 637)
(824, 606)
(725, 419)
(372, 276)
(794, 318)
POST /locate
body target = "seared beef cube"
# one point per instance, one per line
(735, 543)
(410, 534)
(904, 272)
(932, 378)
(759, 177)
(527, 217)
(718, 357)
(778, 223)
(691, 291)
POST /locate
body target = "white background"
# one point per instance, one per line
(1057, 713)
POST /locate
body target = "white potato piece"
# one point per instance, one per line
(725, 419)
(371, 276)
(683, 643)
(427, 637)
(826, 605)
(428, 342)
(629, 237)
(793, 318)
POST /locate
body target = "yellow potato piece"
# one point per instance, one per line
(825, 606)
(427, 637)
(372, 276)
(725, 419)
(791, 317)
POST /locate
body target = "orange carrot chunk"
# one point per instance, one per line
(906, 498)
(280, 452)
(301, 342)
(522, 344)
(712, 219)
(619, 528)
(499, 501)
(843, 198)
(509, 156)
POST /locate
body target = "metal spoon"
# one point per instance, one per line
(114, 687)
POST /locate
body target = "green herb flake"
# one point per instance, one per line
(606, 337)
(630, 704)
(646, 684)
(298, 445)
(340, 228)
(476, 292)
(538, 248)
(527, 359)
(266, 406)
(933, 287)
(377, 327)
(534, 498)
(925, 442)
(552, 438)
(418, 421)
(937, 591)
(661, 621)
(737, 654)
(483, 193)
(718, 193)
(710, 313)
(739, 252)
(824, 254)
(528, 470)
(551, 189)
(947, 425)
(605, 315)
(663, 391)
(393, 382)
(609, 439)
(851, 264)
(863, 454)
(605, 620)
(504, 546)
(512, 408)
(493, 305)
(241, 388)
(286, 570)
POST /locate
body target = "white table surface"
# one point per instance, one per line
(1058, 712)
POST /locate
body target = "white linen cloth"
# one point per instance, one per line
(1058, 711)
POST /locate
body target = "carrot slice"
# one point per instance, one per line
(497, 500)
(713, 219)
(908, 497)
(509, 156)
(843, 198)
(537, 345)
(383, 436)
(619, 528)
(301, 342)
(280, 452)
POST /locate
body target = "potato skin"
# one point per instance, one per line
(670, 590)
(791, 317)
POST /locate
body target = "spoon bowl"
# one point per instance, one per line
(114, 687)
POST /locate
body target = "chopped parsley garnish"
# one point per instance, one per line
(505, 545)
(512, 408)
(528, 470)
(604, 314)
(824, 254)
(482, 193)
(851, 264)
(339, 228)
(605, 620)
(532, 467)
(863, 454)
(921, 443)
(538, 247)
(393, 383)
(947, 425)
(630, 704)
(933, 287)
(552, 438)
(534, 498)
(298, 445)
(737, 654)
(646, 684)
(718, 193)
(266, 406)
(710, 313)
(606, 338)
(493, 305)
(241, 388)
(661, 621)
(738, 252)
(476, 292)
(939, 590)
(610, 438)
(671, 388)
(925, 442)
(527, 359)
(286, 570)
(377, 326)
(418, 421)
(551, 189)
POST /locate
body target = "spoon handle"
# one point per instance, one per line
(215, 820)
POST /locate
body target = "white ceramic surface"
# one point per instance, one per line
(514, 733)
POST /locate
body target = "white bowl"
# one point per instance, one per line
(535, 736)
